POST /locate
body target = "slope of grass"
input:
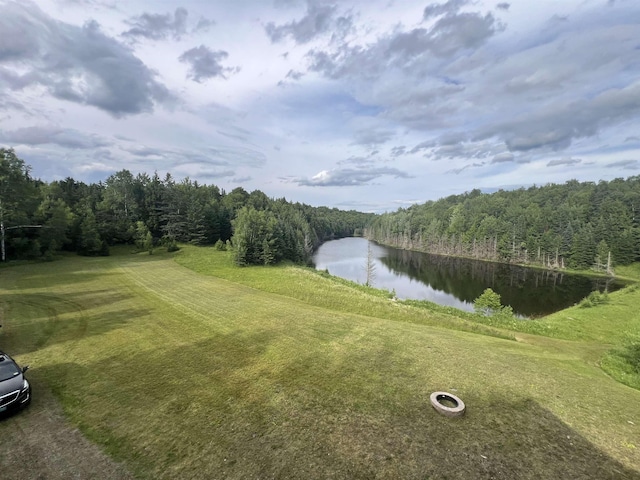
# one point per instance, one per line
(630, 272)
(323, 290)
(274, 372)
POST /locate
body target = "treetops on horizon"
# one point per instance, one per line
(149, 211)
(574, 224)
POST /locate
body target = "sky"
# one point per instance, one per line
(370, 105)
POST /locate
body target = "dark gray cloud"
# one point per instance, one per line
(359, 161)
(503, 157)
(503, 6)
(412, 51)
(203, 25)
(448, 8)
(320, 18)
(241, 180)
(427, 144)
(461, 150)
(422, 103)
(7, 104)
(158, 26)
(372, 136)
(458, 171)
(564, 161)
(294, 75)
(145, 151)
(450, 34)
(350, 177)
(204, 63)
(553, 87)
(453, 138)
(454, 146)
(93, 3)
(103, 155)
(236, 133)
(200, 160)
(571, 81)
(398, 151)
(556, 125)
(625, 164)
(42, 135)
(78, 64)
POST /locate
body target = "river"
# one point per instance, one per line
(457, 282)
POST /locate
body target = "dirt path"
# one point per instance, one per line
(39, 443)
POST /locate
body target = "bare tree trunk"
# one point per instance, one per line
(2, 241)
(370, 267)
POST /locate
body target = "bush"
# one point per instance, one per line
(595, 298)
(171, 245)
(220, 245)
(489, 303)
(631, 354)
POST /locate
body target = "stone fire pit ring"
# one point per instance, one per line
(436, 402)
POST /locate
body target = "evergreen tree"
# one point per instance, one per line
(18, 201)
(90, 241)
(56, 219)
(253, 237)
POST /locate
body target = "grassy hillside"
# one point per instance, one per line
(212, 371)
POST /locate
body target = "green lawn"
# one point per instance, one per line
(185, 366)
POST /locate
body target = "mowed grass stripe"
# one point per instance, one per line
(224, 305)
(211, 379)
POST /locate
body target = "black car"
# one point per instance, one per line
(15, 391)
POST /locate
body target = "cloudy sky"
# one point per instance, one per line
(364, 104)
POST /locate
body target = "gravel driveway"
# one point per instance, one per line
(39, 443)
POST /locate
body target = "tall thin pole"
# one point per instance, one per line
(2, 230)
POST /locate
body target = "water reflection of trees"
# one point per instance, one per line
(530, 292)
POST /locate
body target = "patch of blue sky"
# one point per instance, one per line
(450, 81)
(328, 103)
(491, 170)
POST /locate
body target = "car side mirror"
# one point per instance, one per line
(25, 368)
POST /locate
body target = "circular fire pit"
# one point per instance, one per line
(447, 404)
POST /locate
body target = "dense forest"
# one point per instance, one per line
(38, 219)
(574, 225)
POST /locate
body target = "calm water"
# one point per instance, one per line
(457, 282)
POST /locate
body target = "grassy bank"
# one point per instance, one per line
(193, 368)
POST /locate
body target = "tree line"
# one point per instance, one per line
(39, 219)
(572, 225)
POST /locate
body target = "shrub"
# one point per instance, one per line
(489, 303)
(595, 298)
(631, 354)
(172, 245)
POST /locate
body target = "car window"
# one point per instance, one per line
(8, 370)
